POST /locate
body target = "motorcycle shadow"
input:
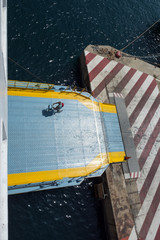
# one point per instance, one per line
(49, 113)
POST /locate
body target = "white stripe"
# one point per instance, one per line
(127, 176)
(86, 52)
(138, 96)
(147, 201)
(102, 96)
(131, 83)
(144, 111)
(93, 63)
(154, 226)
(120, 75)
(146, 168)
(131, 174)
(133, 235)
(111, 94)
(99, 78)
(135, 174)
(146, 136)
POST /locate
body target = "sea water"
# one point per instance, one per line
(47, 37)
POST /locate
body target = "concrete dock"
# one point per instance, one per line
(130, 192)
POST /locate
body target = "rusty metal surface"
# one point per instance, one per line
(119, 200)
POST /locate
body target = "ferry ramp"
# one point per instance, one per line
(48, 150)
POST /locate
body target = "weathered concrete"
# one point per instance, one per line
(126, 59)
(120, 201)
(103, 76)
(112, 191)
(133, 196)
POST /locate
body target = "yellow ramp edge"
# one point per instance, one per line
(115, 157)
(86, 101)
(52, 175)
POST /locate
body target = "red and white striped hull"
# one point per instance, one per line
(142, 100)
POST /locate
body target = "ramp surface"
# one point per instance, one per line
(72, 143)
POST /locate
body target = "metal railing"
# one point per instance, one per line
(46, 87)
(29, 85)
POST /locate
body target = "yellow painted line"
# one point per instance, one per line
(51, 175)
(107, 108)
(42, 176)
(92, 105)
(116, 157)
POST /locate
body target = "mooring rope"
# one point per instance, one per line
(140, 35)
(75, 87)
(122, 49)
(148, 56)
(32, 74)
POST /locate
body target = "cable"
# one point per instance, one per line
(149, 56)
(25, 69)
(140, 35)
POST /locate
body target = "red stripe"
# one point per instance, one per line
(149, 145)
(150, 177)
(107, 79)
(150, 215)
(157, 234)
(89, 57)
(145, 123)
(126, 238)
(125, 80)
(98, 68)
(135, 89)
(142, 102)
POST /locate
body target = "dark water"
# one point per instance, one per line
(69, 213)
(47, 37)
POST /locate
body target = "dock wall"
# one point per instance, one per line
(130, 191)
